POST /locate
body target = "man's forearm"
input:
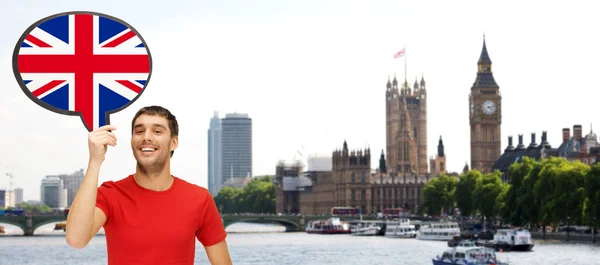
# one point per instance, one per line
(80, 220)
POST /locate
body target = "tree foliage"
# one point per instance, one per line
(464, 192)
(32, 208)
(439, 195)
(550, 191)
(257, 197)
(487, 190)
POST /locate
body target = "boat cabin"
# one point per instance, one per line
(466, 253)
(514, 236)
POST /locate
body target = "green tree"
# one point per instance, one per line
(593, 194)
(438, 194)
(227, 199)
(528, 203)
(513, 200)
(487, 190)
(35, 208)
(544, 190)
(570, 191)
(464, 192)
(257, 197)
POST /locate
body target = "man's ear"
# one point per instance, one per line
(174, 143)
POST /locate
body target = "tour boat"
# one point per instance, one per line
(515, 239)
(400, 228)
(443, 231)
(466, 253)
(329, 226)
(366, 228)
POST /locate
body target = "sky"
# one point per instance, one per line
(312, 74)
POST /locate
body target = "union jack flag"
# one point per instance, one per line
(84, 63)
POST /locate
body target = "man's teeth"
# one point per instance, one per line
(147, 149)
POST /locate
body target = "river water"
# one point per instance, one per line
(253, 244)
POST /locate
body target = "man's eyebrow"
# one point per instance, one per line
(155, 125)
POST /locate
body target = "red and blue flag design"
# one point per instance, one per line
(84, 63)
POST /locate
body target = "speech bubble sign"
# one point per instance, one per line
(83, 64)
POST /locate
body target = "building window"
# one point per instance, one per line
(352, 177)
(363, 177)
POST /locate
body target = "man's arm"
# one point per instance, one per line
(218, 254)
(85, 219)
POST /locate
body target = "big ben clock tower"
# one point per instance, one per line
(485, 116)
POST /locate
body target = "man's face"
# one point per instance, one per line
(151, 141)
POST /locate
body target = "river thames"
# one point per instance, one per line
(253, 244)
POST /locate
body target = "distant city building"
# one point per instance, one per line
(288, 186)
(18, 196)
(3, 199)
(214, 155)
(573, 148)
(236, 146)
(71, 183)
(578, 147)
(9, 198)
(53, 192)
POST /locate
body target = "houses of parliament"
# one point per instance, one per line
(346, 178)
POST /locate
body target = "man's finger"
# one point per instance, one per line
(107, 127)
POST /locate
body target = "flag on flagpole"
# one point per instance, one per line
(399, 54)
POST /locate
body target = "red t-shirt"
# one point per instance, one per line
(157, 227)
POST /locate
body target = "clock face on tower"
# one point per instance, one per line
(488, 107)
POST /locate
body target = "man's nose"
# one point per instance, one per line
(147, 135)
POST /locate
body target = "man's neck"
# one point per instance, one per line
(158, 181)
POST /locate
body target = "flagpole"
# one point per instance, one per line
(405, 71)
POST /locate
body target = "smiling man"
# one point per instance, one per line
(151, 216)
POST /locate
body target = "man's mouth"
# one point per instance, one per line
(148, 149)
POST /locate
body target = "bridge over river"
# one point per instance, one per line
(292, 223)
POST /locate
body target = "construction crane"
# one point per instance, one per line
(10, 193)
(10, 178)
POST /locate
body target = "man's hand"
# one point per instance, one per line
(98, 140)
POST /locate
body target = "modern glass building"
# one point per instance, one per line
(236, 143)
(214, 155)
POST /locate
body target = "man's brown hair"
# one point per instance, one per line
(158, 110)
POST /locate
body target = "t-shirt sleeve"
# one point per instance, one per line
(102, 200)
(211, 230)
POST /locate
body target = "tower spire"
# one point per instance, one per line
(484, 58)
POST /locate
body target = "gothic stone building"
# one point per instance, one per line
(400, 179)
(350, 182)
